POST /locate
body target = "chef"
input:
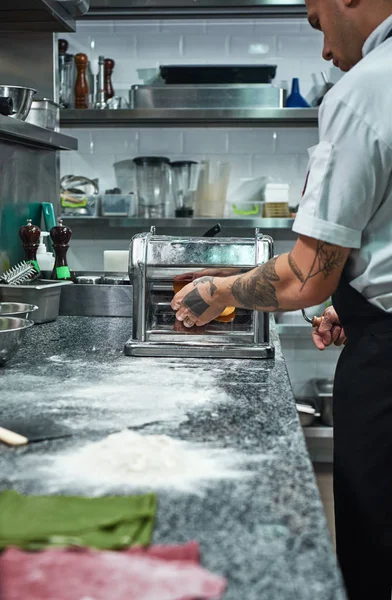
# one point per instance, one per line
(344, 249)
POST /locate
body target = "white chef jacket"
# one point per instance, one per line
(348, 196)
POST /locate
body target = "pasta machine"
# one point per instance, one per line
(155, 261)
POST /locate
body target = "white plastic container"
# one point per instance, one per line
(45, 259)
(115, 261)
(277, 192)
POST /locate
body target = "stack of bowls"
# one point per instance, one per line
(14, 322)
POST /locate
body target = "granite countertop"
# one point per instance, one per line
(264, 531)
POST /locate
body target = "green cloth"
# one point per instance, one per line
(110, 523)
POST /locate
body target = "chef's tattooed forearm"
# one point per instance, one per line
(256, 290)
(295, 268)
(327, 259)
(195, 302)
(209, 280)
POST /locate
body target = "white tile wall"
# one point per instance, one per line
(138, 45)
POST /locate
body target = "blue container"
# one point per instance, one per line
(295, 100)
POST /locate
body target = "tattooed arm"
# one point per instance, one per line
(305, 277)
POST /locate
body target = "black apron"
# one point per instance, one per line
(363, 447)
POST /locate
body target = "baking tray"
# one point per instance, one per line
(45, 294)
(207, 96)
(215, 74)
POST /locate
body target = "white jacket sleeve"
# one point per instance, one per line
(348, 175)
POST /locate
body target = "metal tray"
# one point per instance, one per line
(84, 300)
(45, 294)
(216, 74)
(207, 96)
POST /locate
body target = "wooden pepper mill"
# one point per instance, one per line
(109, 66)
(81, 85)
(61, 235)
(30, 234)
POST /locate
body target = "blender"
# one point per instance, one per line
(185, 178)
(152, 181)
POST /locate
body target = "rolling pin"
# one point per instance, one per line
(11, 438)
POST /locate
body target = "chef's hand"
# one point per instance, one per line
(329, 331)
(218, 272)
(200, 302)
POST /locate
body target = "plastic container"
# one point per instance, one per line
(125, 173)
(45, 259)
(79, 205)
(212, 188)
(119, 205)
(277, 192)
(247, 200)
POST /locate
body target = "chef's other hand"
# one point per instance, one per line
(199, 302)
(218, 272)
(329, 331)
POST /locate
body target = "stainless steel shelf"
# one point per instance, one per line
(294, 329)
(260, 117)
(318, 432)
(174, 223)
(16, 131)
(112, 9)
(41, 15)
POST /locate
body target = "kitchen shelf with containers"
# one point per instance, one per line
(153, 189)
(196, 95)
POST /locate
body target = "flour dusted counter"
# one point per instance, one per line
(243, 485)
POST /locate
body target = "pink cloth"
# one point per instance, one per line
(152, 574)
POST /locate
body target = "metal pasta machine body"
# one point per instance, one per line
(155, 261)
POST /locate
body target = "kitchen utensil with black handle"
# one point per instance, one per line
(213, 231)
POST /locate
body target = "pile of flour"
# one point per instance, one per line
(150, 461)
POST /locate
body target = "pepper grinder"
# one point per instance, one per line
(30, 234)
(109, 66)
(61, 235)
(100, 100)
(81, 85)
(63, 47)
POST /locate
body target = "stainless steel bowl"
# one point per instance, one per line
(323, 389)
(16, 309)
(12, 332)
(307, 413)
(22, 98)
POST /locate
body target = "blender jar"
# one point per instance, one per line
(185, 178)
(152, 181)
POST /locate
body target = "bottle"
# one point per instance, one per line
(61, 234)
(45, 259)
(295, 100)
(30, 234)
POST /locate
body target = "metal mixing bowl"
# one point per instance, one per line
(16, 309)
(12, 332)
(22, 98)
